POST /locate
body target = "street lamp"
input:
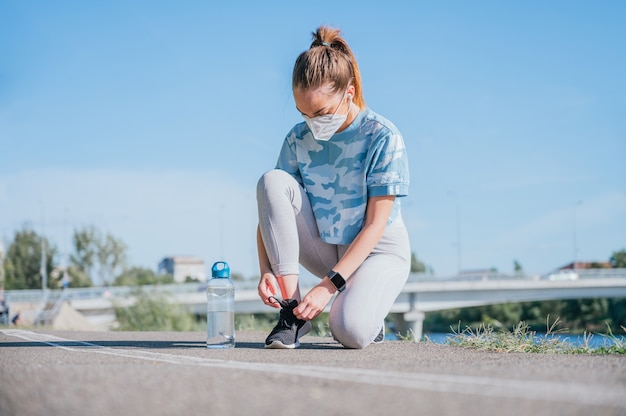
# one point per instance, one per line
(575, 236)
(458, 231)
(458, 237)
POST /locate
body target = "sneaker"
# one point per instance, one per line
(287, 332)
(381, 336)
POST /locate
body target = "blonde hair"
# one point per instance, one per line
(329, 60)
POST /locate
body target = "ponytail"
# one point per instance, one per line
(329, 60)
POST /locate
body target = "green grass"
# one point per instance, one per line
(522, 339)
(265, 322)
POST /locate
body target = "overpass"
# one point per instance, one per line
(421, 294)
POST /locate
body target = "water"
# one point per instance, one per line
(220, 314)
(220, 329)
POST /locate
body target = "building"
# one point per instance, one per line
(586, 265)
(183, 268)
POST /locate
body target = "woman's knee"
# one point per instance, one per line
(351, 333)
(264, 180)
(275, 180)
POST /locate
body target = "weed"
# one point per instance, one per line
(408, 336)
(522, 339)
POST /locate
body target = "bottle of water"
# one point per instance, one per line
(220, 293)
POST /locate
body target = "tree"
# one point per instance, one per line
(111, 258)
(618, 259)
(2, 256)
(78, 278)
(83, 259)
(96, 254)
(138, 276)
(23, 263)
(237, 277)
(416, 265)
(154, 312)
(517, 267)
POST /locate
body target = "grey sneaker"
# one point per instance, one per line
(287, 332)
(381, 336)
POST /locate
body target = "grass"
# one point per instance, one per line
(523, 339)
(265, 322)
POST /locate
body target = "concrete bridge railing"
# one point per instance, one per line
(421, 294)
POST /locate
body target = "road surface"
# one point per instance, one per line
(172, 373)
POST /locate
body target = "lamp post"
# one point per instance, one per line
(574, 237)
(458, 231)
(458, 238)
(44, 252)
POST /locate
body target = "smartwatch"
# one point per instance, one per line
(337, 280)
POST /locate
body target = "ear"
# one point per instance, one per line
(351, 91)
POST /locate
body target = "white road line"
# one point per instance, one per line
(573, 393)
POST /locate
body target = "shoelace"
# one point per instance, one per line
(285, 313)
(281, 302)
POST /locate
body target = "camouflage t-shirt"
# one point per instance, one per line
(366, 159)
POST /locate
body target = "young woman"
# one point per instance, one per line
(332, 204)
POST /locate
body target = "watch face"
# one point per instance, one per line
(338, 281)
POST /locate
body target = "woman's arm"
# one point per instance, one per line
(376, 217)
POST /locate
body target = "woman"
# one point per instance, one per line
(332, 204)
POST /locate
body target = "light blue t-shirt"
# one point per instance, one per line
(366, 159)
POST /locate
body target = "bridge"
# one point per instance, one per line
(422, 293)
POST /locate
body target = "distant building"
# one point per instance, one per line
(183, 267)
(586, 265)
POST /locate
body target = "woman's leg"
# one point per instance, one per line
(359, 311)
(289, 232)
(289, 237)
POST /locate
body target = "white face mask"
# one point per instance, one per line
(323, 127)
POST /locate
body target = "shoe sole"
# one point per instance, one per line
(277, 345)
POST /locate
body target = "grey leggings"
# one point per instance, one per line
(290, 235)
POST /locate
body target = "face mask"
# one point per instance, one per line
(323, 127)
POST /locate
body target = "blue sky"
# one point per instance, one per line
(153, 120)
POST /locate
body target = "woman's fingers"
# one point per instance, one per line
(267, 289)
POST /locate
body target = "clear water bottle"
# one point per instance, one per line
(220, 293)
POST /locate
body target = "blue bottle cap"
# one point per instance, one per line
(220, 269)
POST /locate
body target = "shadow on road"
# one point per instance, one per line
(151, 344)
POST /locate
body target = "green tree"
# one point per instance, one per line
(153, 312)
(586, 314)
(23, 268)
(78, 278)
(139, 276)
(416, 265)
(2, 256)
(617, 313)
(237, 277)
(111, 258)
(618, 259)
(83, 259)
(96, 254)
(576, 315)
(517, 267)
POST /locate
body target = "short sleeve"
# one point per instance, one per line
(389, 168)
(287, 159)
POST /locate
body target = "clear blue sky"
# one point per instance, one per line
(153, 120)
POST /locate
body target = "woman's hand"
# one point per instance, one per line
(315, 301)
(267, 287)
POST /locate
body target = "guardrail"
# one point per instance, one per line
(37, 296)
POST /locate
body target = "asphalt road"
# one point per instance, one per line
(167, 373)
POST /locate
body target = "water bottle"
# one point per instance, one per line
(220, 313)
